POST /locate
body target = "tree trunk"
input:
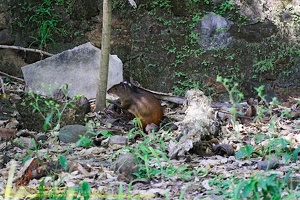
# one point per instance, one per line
(105, 52)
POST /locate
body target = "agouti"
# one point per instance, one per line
(141, 104)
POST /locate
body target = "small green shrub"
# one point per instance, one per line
(260, 187)
(49, 109)
(181, 86)
(222, 186)
(235, 95)
(244, 152)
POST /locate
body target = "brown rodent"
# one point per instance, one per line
(141, 104)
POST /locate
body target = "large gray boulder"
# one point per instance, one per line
(213, 31)
(77, 67)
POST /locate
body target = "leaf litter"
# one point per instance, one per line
(197, 165)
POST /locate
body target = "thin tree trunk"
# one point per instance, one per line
(105, 52)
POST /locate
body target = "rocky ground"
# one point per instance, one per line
(250, 154)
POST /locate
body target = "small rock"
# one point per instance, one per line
(267, 164)
(84, 103)
(168, 124)
(223, 149)
(125, 166)
(26, 142)
(213, 31)
(6, 38)
(72, 133)
(117, 139)
(151, 127)
(42, 138)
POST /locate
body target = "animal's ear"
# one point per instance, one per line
(123, 83)
(126, 84)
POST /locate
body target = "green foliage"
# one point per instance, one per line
(63, 162)
(145, 153)
(83, 191)
(46, 21)
(295, 154)
(187, 83)
(267, 65)
(244, 152)
(222, 187)
(41, 194)
(106, 133)
(282, 147)
(138, 123)
(260, 187)
(49, 109)
(84, 142)
(235, 95)
(278, 145)
(162, 3)
(274, 55)
(259, 137)
(153, 161)
(40, 19)
(266, 108)
(120, 194)
(224, 7)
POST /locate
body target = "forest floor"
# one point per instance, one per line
(264, 163)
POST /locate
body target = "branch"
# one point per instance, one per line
(5, 74)
(25, 49)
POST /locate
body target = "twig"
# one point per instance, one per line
(5, 74)
(25, 49)
(2, 87)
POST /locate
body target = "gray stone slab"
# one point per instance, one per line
(77, 67)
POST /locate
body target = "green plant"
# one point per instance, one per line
(84, 142)
(63, 161)
(41, 194)
(82, 191)
(162, 3)
(221, 186)
(260, 187)
(266, 108)
(120, 194)
(146, 153)
(46, 21)
(181, 86)
(245, 151)
(278, 145)
(282, 147)
(235, 96)
(106, 133)
(40, 19)
(49, 109)
(264, 65)
(224, 7)
(152, 160)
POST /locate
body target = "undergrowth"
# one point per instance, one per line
(39, 21)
